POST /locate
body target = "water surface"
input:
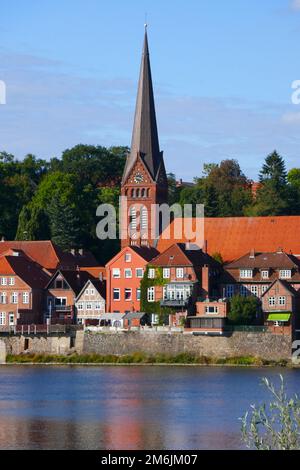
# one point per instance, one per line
(117, 407)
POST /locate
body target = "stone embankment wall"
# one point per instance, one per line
(264, 345)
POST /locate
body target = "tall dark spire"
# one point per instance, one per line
(145, 137)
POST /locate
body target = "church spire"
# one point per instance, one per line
(145, 136)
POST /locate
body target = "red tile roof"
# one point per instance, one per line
(27, 270)
(179, 255)
(49, 255)
(235, 236)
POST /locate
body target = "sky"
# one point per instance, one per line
(222, 74)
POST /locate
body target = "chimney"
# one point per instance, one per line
(73, 251)
(205, 280)
(80, 251)
(252, 254)
(101, 276)
(205, 247)
(2, 239)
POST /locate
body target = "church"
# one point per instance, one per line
(187, 274)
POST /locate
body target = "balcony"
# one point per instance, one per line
(62, 308)
(174, 303)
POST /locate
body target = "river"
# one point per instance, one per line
(137, 407)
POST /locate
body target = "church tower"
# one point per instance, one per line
(144, 180)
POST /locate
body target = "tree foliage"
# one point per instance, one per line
(273, 426)
(243, 310)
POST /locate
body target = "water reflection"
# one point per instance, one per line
(127, 407)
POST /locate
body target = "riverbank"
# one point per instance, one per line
(143, 359)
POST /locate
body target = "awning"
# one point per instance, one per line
(279, 317)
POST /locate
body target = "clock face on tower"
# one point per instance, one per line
(138, 178)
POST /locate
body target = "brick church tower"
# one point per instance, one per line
(144, 180)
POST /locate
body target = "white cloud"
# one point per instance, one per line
(295, 4)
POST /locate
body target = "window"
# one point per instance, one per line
(60, 301)
(92, 292)
(127, 257)
(128, 273)
(2, 318)
(58, 284)
(25, 297)
(11, 318)
(179, 273)
(243, 291)
(166, 273)
(281, 300)
(116, 273)
(265, 274)
(11, 281)
(2, 297)
(151, 294)
(133, 223)
(272, 301)
(263, 289)
(89, 306)
(254, 290)
(87, 292)
(80, 306)
(144, 218)
(285, 274)
(151, 273)
(116, 294)
(138, 294)
(98, 306)
(139, 272)
(128, 294)
(214, 310)
(3, 281)
(246, 273)
(229, 290)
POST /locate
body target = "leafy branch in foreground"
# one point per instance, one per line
(275, 426)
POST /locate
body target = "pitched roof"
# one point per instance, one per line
(277, 260)
(145, 136)
(95, 271)
(49, 255)
(235, 236)
(181, 254)
(285, 284)
(146, 253)
(100, 286)
(27, 270)
(75, 278)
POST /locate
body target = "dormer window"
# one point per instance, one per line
(285, 273)
(265, 274)
(246, 273)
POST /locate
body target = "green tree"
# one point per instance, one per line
(274, 171)
(33, 224)
(64, 224)
(243, 310)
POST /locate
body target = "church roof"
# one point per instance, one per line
(145, 136)
(233, 237)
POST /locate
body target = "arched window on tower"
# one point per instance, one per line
(143, 192)
(132, 219)
(137, 192)
(144, 219)
(148, 192)
(133, 193)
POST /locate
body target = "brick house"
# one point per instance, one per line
(124, 273)
(61, 292)
(210, 315)
(254, 272)
(22, 284)
(188, 274)
(280, 305)
(90, 302)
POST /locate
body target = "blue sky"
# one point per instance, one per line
(222, 75)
